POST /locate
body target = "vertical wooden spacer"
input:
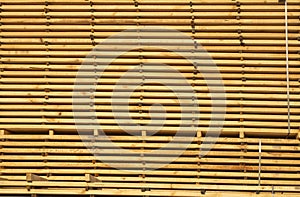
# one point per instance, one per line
(243, 151)
(142, 176)
(144, 137)
(242, 134)
(51, 132)
(144, 189)
(4, 132)
(94, 144)
(91, 179)
(92, 23)
(96, 133)
(32, 177)
(199, 136)
(28, 187)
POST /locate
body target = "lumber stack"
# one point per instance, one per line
(43, 45)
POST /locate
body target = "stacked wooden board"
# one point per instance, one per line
(44, 43)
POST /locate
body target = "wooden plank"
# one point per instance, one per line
(147, 7)
(127, 21)
(156, 114)
(229, 130)
(154, 185)
(155, 179)
(158, 192)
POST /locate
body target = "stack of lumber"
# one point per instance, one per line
(44, 43)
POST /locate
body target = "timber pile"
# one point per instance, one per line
(43, 44)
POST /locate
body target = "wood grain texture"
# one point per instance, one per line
(42, 46)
